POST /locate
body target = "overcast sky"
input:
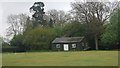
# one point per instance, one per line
(22, 6)
(8, 7)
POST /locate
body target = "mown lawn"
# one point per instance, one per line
(79, 58)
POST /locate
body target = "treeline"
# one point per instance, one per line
(96, 21)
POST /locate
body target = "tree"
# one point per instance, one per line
(39, 38)
(17, 24)
(29, 24)
(5, 44)
(38, 11)
(1, 41)
(94, 14)
(51, 23)
(17, 41)
(74, 29)
(58, 17)
(110, 35)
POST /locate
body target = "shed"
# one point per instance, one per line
(69, 44)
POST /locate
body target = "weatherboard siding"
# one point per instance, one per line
(78, 47)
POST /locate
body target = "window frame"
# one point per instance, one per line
(58, 46)
(74, 46)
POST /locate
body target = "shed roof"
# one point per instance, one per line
(67, 39)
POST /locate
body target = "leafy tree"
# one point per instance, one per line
(58, 31)
(17, 41)
(110, 35)
(38, 11)
(39, 38)
(74, 29)
(1, 41)
(5, 45)
(94, 14)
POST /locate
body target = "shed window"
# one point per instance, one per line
(73, 45)
(57, 45)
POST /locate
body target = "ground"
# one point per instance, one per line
(78, 58)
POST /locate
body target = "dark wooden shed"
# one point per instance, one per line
(69, 44)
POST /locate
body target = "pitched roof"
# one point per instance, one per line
(67, 39)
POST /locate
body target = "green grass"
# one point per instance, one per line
(79, 58)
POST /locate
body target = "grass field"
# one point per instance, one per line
(80, 58)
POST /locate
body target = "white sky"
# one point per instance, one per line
(8, 7)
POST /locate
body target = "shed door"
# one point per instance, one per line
(66, 47)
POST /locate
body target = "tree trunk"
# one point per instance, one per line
(96, 42)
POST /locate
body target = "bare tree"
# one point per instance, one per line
(17, 24)
(94, 14)
(59, 17)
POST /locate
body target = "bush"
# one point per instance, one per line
(39, 38)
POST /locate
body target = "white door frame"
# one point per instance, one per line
(66, 47)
